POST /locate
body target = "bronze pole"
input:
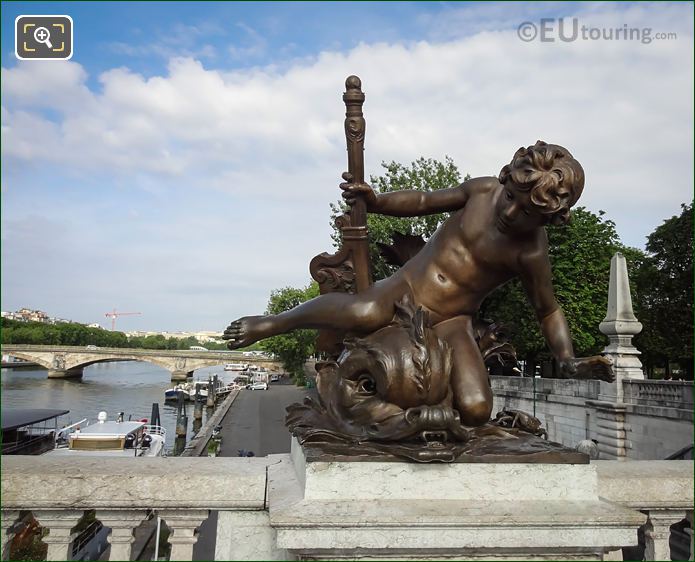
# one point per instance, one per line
(355, 236)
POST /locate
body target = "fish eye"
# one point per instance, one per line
(366, 384)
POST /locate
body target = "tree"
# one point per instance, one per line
(649, 341)
(423, 174)
(665, 292)
(580, 255)
(294, 348)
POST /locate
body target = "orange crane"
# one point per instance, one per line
(113, 315)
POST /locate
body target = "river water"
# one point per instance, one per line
(124, 386)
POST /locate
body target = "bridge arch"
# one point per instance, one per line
(45, 363)
(151, 360)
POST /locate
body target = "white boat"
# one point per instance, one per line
(188, 389)
(236, 366)
(173, 393)
(112, 439)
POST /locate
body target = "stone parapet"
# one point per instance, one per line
(647, 484)
(654, 421)
(59, 483)
(356, 510)
(660, 394)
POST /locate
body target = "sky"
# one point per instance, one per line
(182, 163)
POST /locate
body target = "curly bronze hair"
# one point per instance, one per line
(552, 175)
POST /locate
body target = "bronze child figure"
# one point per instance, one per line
(495, 232)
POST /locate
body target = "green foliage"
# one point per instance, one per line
(580, 255)
(62, 333)
(424, 175)
(70, 333)
(294, 348)
(664, 294)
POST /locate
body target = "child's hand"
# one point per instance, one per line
(595, 367)
(351, 191)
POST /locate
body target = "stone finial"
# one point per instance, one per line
(620, 319)
(620, 324)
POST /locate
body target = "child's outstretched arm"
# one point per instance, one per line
(412, 203)
(536, 278)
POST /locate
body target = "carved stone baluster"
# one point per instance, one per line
(122, 523)
(657, 532)
(9, 518)
(183, 524)
(60, 536)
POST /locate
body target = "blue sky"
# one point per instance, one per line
(182, 163)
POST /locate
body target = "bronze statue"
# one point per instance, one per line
(495, 232)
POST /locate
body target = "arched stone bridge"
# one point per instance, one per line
(69, 361)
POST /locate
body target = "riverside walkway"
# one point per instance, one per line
(255, 422)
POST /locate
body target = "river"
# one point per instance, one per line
(123, 386)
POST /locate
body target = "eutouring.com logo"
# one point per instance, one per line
(567, 30)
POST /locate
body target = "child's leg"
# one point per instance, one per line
(365, 312)
(469, 378)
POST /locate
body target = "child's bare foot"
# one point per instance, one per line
(246, 331)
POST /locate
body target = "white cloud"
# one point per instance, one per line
(258, 153)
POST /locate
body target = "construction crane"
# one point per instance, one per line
(113, 315)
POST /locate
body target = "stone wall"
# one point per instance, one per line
(658, 415)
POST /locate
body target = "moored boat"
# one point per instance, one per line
(188, 389)
(29, 431)
(117, 438)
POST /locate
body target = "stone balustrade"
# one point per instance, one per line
(654, 420)
(666, 394)
(184, 490)
(663, 490)
(181, 490)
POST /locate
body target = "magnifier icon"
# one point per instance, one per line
(42, 35)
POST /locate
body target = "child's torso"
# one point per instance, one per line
(464, 260)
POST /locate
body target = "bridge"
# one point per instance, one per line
(69, 361)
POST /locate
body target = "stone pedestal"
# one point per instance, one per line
(246, 535)
(473, 511)
(611, 431)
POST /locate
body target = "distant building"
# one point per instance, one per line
(27, 315)
(202, 337)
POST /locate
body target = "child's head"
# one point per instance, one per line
(550, 173)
